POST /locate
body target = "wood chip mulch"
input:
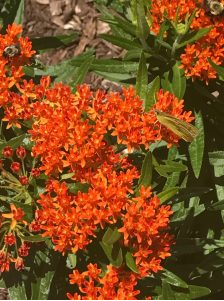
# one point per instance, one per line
(57, 17)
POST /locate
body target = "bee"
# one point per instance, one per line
(181, 128)
(12, 51)
(214, 7)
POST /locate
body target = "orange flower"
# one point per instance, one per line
(195, 59)
(116, 284)
(16, 215)
(143, 227)
(67, 138)
(4, 261)
(71, 221)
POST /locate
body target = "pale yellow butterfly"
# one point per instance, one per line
(181, 128)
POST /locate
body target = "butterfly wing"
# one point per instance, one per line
(182, 129)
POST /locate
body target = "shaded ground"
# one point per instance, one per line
(55, 17)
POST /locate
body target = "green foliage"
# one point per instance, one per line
(196, 148)
(189, 179)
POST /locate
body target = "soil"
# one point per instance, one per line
(56, 17)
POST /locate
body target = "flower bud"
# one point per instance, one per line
(7, 152)
(35, 172)
(24, 180)
(24, 250)
(9, 239)
(21, 152)
(15, 166)
(19, 264)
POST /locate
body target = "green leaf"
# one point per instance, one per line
(114, 66)
(217, 160)
(34, 238)
(181, 213)
(174, 81)
(219, 192)
(120, 23)
(146, 171)
(216, 206)
(167, 292)
(172, 180)
(196, 148)
(143, 29)
(14, 142)
(75, 187)
(218, 69)
(186, 246)
(11, 9)
(142, 78)
(187, 193)
(167, 194)
(194, 36)
(102, 65)
(17, 292)
(29, 71)
(53, 42)
(113, 253)
(67, 176)
(20, 13)
(164, 44)
(111, 236)
(41, 288)
(74, 76)
(135, 54)
(169, 167)
(81, 72)
(173, 279)
(198, 291)
(115, 77)
(130, 262)
(121, 42)
(71, 261)
(152, 90)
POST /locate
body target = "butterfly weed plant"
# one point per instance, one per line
(115, 195)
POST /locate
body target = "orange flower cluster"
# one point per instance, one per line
(195, 59)
(72, 130)
(79, 137)
(71, 221)
(144, 227)
(15, 52)
(116, 284)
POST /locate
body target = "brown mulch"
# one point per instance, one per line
(55, 17)
(4, 294)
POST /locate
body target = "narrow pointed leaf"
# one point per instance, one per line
(167, 292)
(167, 194)
(194, 36)
(174, 81)
(20, 13)
(53, 42)
(146, 171)
(17, 292)
(131, 262)
(111, 236)
(152, 90)
(196, 148)
(142, 78)
(173, 279)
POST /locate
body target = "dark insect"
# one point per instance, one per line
(214, 7)
(11, 51)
